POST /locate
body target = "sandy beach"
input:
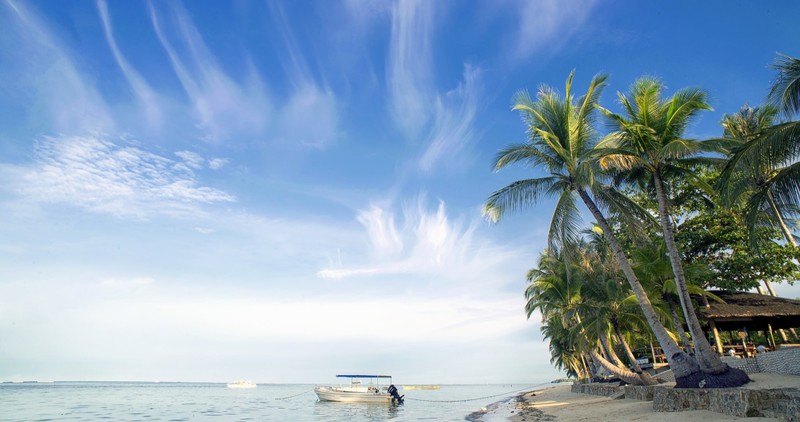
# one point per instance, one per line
(559, 403)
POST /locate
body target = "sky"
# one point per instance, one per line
(282, 191)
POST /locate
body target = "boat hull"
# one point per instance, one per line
(334, 394)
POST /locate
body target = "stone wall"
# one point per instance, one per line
(597, 389)
(786, 361)
(782, 403)
(639, 392)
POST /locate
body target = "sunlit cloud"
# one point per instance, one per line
(101, 176)
(546, 25)
(381, 229)
(44, 74)
(425, 242)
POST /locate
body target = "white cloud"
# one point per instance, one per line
(217, 163)
(546, 25)
(409, 68)
(144, 94)
(427, 244)
(453, 119)
(381, 230)
(129, 282)
(309, 118)
(415, 104)
(44, 72)
(98, 175)
(222, 107)
(192, 159)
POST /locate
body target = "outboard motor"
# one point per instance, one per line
(396, 398)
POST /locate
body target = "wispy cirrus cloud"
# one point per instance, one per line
(453, 120)
(443, 120)
(55, 93)
(547, 24)
(309, 117)
(424, 242)
(409, 70)
(141, 89)
(222, 106)
(120, 179)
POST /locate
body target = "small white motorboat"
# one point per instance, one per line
(242, 384)
(359, 392)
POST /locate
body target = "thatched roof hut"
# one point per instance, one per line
(753, 311)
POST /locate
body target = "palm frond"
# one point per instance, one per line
(564, 226)
(785, 185)
(677, 149)
(517, 195)
(785, 91)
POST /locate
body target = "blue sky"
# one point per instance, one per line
(282, 191)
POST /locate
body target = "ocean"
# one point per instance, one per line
(134, 401)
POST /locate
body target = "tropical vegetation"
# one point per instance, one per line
(673, 217)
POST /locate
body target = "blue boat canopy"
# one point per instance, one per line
(363, 376)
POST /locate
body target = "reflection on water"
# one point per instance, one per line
(326, 410)
(82, 401)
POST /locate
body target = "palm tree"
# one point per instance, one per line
(570, 321)
(611, 309)
(785, 92)
(561, 137)
(553, 292)
(748, 176)
(648, 141)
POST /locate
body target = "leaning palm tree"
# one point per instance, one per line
(613, 311)
(648, 143)
(561, 139)
(570, 323)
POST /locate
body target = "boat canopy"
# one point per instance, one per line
(364, 376)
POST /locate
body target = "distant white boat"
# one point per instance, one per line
(358, 392)
(242, 384)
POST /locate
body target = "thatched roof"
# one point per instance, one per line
(753, 311)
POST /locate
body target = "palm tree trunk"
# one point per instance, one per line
(708, 360)
(628, 376)
(787, 234)
(610, 352)
(682, 365)
(781, 222)
(646, 378)
(678, 324)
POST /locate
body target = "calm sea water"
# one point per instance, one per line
(120, 401)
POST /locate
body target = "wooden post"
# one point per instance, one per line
(772, 337)
(717, 340)
(714, 330)
(743, 335)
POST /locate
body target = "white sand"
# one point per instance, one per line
(559, 403)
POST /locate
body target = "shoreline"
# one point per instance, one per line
(559, 403)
